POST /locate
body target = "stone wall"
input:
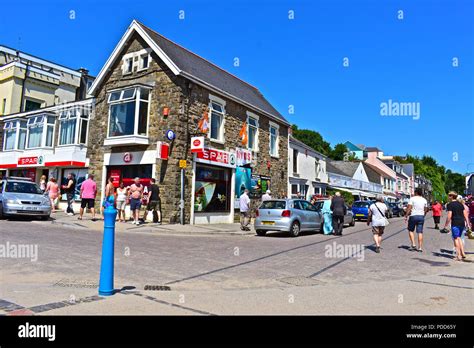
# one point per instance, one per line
(187, 102)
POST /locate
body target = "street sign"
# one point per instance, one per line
(182, 164)
(197, 144)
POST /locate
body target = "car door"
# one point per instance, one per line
(316, 215)
(301, 214)
(311, 215)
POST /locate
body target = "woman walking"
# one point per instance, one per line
(52, 188)
(458, 218)
(122, 193)
(327, 216)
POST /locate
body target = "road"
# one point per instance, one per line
(233, 274)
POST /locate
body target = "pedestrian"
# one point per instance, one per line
(136, 195)
(339, 210)
(122, 192)
(88, 194)
(52, 189)
(437, 209)
(70, 191)
(327, 216)
(109, 192)
(377, 218)
(458, 217)
(267, 196)
(43, 183)
(416, 210)
(154, 202)
(244, 203)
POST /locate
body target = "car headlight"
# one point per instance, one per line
(12, 201)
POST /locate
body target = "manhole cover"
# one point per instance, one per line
(157, 287)
(76, 283)
(300, 281)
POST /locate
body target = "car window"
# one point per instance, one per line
(309, 206)
(360, 204)
(297, 205)
(273, 205)
(22, 187)
(318, 205)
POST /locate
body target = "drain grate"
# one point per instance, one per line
(75, 283)
(157, 287)
(300, 281)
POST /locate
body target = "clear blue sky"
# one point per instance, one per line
(299, 62)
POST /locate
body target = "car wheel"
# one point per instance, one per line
(295, 229)
(353, 222)
(261, 233)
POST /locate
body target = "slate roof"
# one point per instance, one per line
(200, 68)
(342, 167)
(303, 145)
(373, 173)
(408, 168)
(372, 149)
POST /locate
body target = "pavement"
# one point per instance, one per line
(61, 219)
(222, 273)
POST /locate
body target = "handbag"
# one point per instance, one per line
(386, 220)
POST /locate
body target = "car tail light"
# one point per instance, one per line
(257, 213)
(286, 213)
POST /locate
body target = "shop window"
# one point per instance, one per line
(212, 189)
(80, 176)
(129, 109)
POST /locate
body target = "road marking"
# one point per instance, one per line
(154, 299)
(441, 284)
(454, 276)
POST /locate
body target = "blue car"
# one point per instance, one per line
(360, 209)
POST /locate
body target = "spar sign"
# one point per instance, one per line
(31, 161)
(217, 157)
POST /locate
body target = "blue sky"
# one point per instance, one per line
(299, 61)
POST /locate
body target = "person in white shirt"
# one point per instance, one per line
(267, 196)
(416, 211)
(377, 218)
(244, 203)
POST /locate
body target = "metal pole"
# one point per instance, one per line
(106, 284)
(181, 203)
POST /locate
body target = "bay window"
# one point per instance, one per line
(128, 113)
(10, 132)
(73, 127)
(252, 125)
(40, 131)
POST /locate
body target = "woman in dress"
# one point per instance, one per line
(122, 193)
(52, 188)
(327, 216)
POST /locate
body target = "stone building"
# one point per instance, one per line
(152, 93)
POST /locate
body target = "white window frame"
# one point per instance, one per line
(77, 133)
(277, 133)
(136, 58)
(222, 103)
(11, 125)
(136, 99)
(44, 125)
(257, 127)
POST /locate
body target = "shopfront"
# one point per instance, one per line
(213, 187)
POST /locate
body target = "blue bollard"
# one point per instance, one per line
(106, 284)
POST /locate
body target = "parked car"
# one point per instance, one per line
(360, 209)
(397, 209)
(287, 215)
(23, 197)
(348, 218)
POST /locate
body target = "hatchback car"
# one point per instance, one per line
(360, 209)
(287, 215)
(397, 209)
(23, 197)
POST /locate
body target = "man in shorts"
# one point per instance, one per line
(88, 194)
(136, 196)
(378, 220)
(458, 217)
(416, 211)
(154, 202)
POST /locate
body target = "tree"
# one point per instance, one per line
(339, 152)
(312, 139)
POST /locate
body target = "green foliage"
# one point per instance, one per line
(312, 139)
(348, 197)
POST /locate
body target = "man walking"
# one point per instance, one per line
(136, 196)
(244, 203)
(416, 211)
(339, 210)
(88, 194)
(154, 202)
(267, 196)
(70, 190)
(437, 209)
(378, 220)
(458, 217)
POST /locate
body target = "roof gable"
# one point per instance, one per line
(195, 68)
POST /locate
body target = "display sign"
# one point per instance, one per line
(127, 157)
(197, 144)
(260, 184)
(170, 134)
(216, 157)
(115, 174)
(182, 164)
(244, 156)
(30, 161)
(162, 150)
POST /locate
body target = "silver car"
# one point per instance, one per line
(23, 197)
(287, 215)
